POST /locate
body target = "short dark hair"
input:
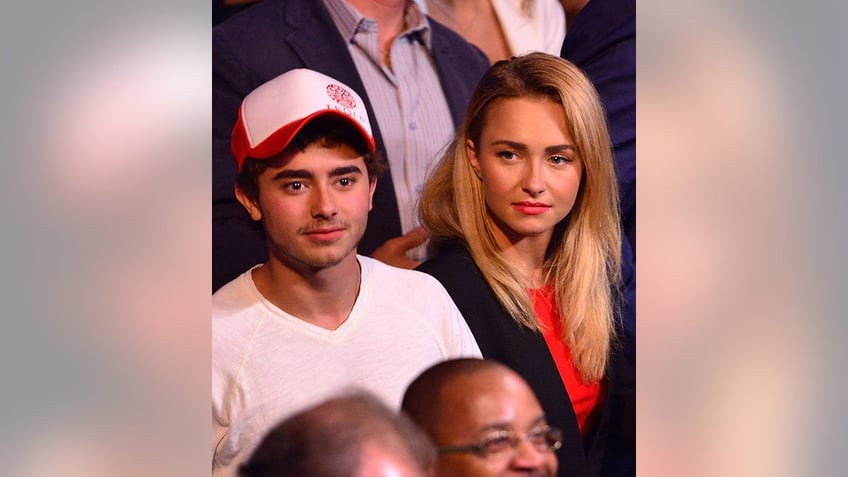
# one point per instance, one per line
(326, 440)
(327, 131)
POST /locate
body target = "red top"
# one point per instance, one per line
(587, 399)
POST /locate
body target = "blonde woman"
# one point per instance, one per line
(524, 208)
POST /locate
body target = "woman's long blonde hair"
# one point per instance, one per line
(583, 260)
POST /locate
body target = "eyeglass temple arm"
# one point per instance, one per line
(477, 449)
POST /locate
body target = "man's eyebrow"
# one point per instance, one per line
(505, 426)
(539, 420)
(292, 174)
(343, 171)
(306, 174)
(494, 426)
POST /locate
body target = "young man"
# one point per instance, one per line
(484, 419)
(316, 317)
(414, 75)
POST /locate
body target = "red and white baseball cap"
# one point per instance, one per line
(272, 114)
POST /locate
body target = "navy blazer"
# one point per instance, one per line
(602, 42)
(501, 338)
(273, 37)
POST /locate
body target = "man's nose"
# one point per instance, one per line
(528, 456)
(323, 204)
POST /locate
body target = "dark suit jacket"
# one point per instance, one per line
(525, 351)
(267, 40)
(602, 42)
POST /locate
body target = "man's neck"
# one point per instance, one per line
(323, 298)
(388, 14)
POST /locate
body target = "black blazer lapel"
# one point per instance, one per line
(314, 38)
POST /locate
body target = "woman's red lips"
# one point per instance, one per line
(531, 208)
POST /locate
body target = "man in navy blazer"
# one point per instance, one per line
(269, 39)
(601, 40)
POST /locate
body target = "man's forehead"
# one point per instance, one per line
(490, 389)
(315, 156)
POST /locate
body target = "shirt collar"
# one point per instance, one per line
(349, 21)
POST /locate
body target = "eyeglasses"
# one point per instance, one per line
(543, 439)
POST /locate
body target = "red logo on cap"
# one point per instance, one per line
(341, 96)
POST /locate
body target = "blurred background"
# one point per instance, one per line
(740, 220)
(106, 238)
(106, 252)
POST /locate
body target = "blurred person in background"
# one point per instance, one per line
(601, 41)
(732, 365)
(525, 211)
(352, 435)
(484, 419)
(503, 28)
(316, 316)
(108, 348)
(414, 75)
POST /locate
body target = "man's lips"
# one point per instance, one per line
(531, 208)
(325, 233)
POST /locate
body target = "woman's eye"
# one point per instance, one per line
(560, 159)
(508, 155)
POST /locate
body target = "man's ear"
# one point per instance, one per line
(373, 186)
(472, 157)
(249, 204)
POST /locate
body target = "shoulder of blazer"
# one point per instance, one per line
(447, 41)
(600, 26)
(454, 267)
(452, 264)
(460, 66)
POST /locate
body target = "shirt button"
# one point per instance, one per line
(413, 126)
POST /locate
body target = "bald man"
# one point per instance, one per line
(484, 419)
(351, 435)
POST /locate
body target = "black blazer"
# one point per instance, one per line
(501, 338)
(276, 36)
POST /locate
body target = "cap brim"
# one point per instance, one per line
(280, 139)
